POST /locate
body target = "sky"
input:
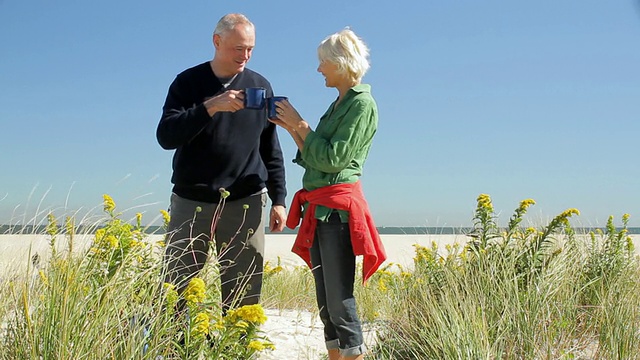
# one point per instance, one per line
(519, 100)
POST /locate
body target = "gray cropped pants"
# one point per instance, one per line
(239, 244)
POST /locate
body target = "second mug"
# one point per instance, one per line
(271, 106)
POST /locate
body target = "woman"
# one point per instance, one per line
(337, 225)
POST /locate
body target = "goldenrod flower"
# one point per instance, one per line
(484, 202)
(252, 313)
(218, 325)
(43, 278)
(381, 285)
(256, 345)
(570, 212)
(113, 241)
(200, 325)
(524, 204)
(165, 217)
(172, 295)
(52, 226)
(138, 219)
(242, 324)
(109, 204)
(195, 291)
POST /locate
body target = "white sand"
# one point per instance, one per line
(15, 250)
(296, 334)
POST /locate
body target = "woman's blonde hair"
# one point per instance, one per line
(347, 51)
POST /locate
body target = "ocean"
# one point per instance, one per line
(383, 230)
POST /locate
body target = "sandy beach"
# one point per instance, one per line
(15, 250)
(296, 334)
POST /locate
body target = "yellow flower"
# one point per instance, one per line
(43, 277)
(113, 241)
(256, 345)
(569, 212)
(52, 226)
(195, 291)
(109, 204)
(524, 204)
(242, 324)
(200, 325)
(252, 313)
(165, 217)
(172, 295)
(219, 326)
(138, 219)
(381, 285)
(484, 202)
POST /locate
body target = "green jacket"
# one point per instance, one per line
(336, 151)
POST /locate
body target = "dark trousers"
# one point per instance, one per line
(239, 240)
(334, 266)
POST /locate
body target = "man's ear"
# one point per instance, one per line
(216, 40)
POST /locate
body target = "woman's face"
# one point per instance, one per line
(330, 72)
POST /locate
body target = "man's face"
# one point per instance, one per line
(234, 48)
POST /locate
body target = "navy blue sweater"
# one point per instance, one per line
(237, 151)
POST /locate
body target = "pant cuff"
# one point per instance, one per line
(332, 344)
(354, 351)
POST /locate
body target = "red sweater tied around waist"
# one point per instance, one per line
(365, 239)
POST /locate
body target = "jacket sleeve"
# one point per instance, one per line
(273, 160)
(182, 118)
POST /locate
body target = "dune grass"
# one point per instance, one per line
(508, 293)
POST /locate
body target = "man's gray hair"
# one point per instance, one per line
(229, 21)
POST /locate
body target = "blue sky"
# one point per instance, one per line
(514, 99)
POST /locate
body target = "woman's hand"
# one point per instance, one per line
(288, 116)
(290, 120)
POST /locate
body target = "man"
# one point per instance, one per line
(227, 159)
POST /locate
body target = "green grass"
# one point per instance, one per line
(509, 293)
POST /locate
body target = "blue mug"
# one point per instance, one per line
(254, 98)
(271, 106)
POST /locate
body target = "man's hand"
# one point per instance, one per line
(277, 218)
(230, 100)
